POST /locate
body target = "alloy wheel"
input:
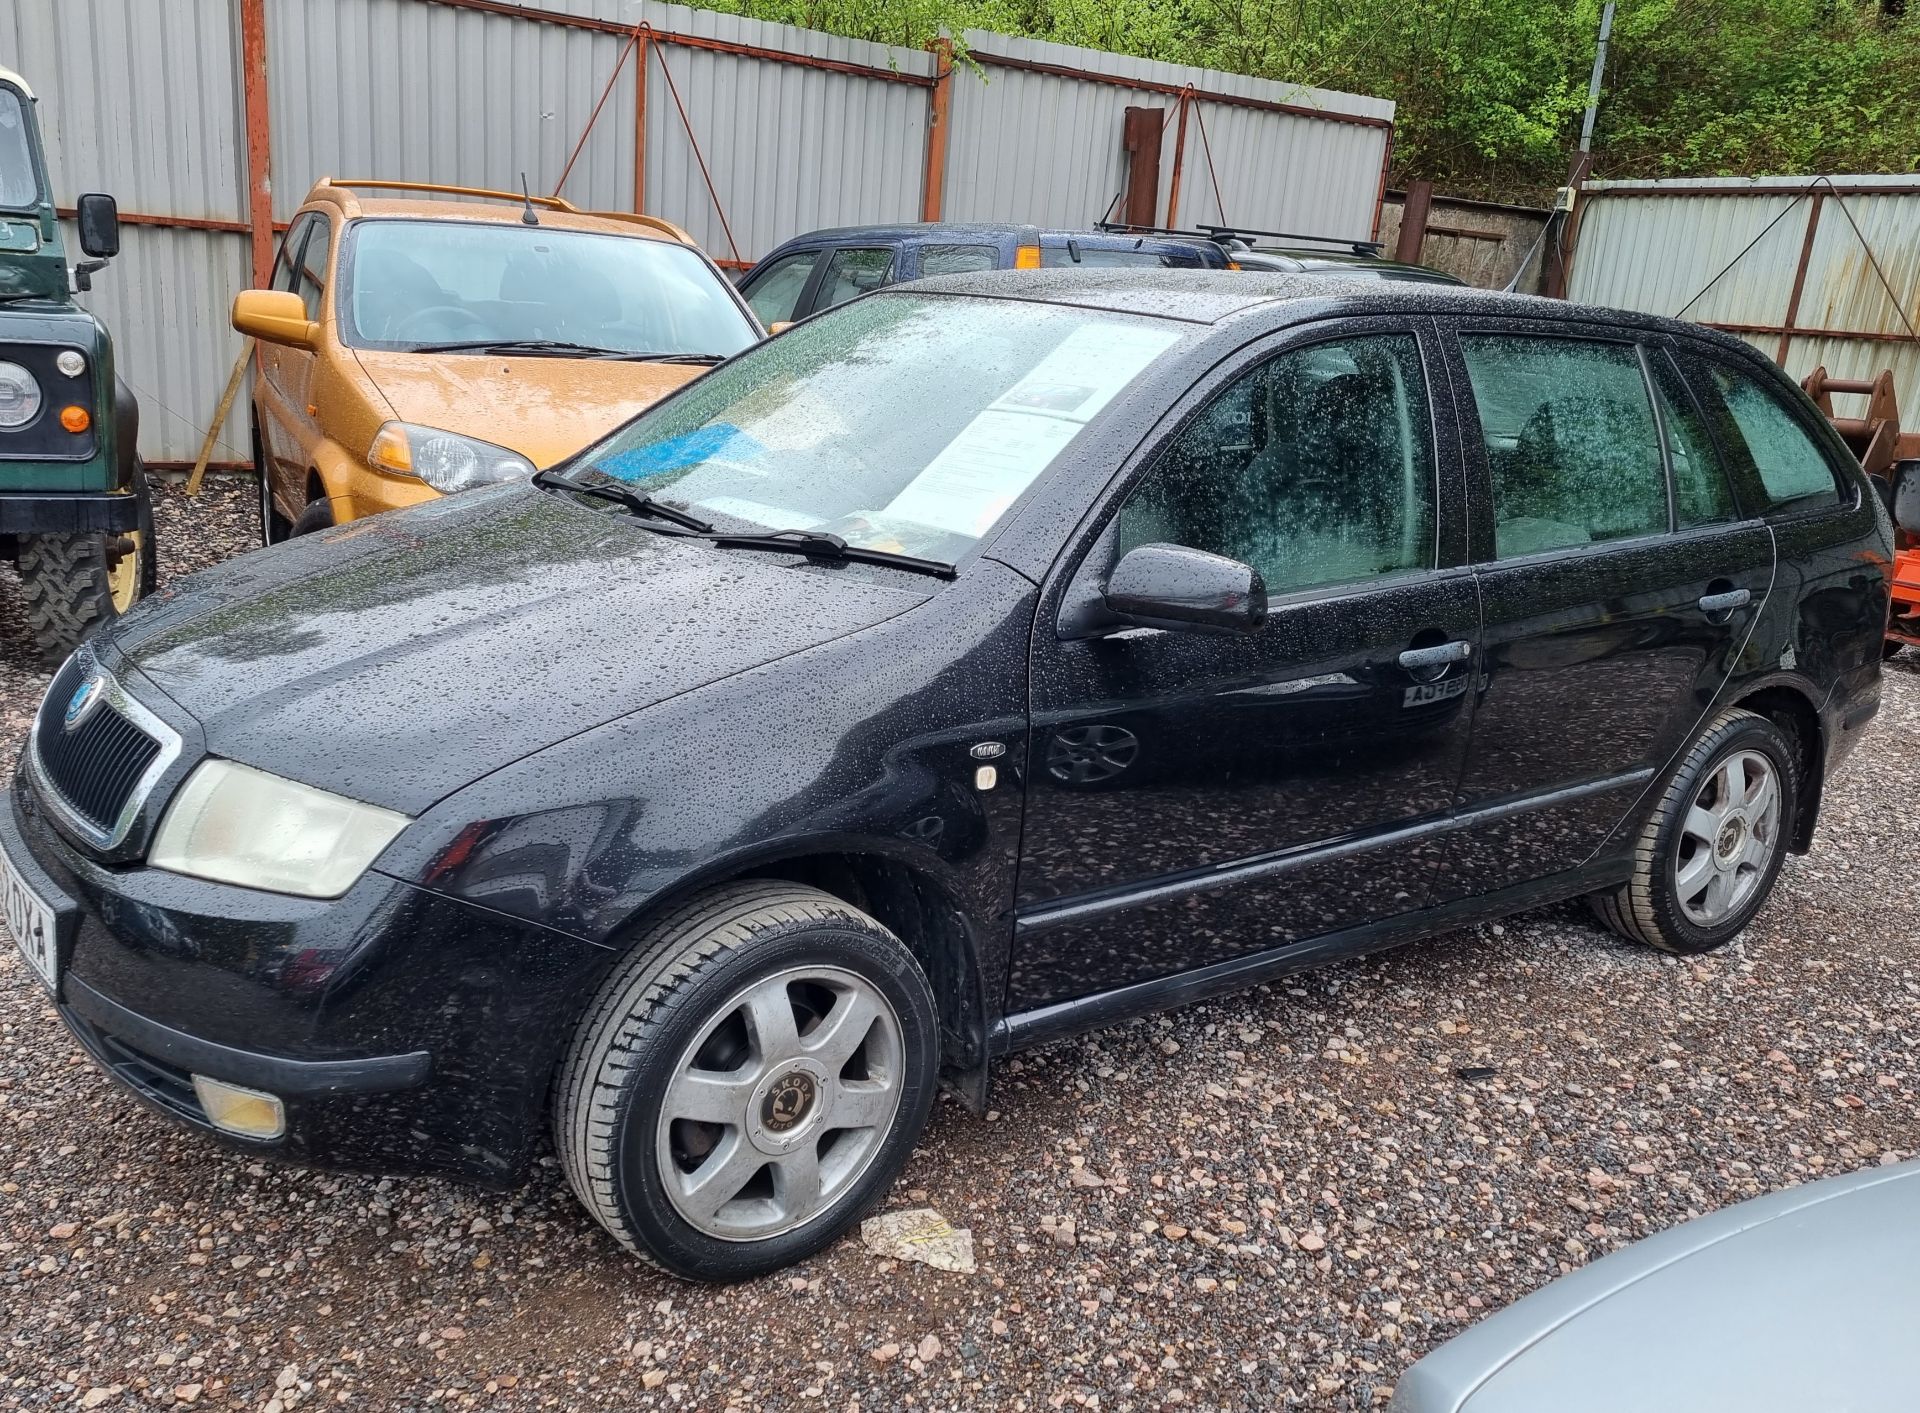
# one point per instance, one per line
(780, 1104)
(1727, 838)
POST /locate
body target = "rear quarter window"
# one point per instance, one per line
(1791, 467)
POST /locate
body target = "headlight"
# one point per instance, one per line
(444, 460)
(234, 824)
(19, 396)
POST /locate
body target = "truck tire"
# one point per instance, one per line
(74, 583)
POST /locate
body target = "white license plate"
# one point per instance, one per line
(31, 922)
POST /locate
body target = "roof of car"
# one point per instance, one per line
(1216, 296)
(9, 76)
(961, 231)
(354, 204)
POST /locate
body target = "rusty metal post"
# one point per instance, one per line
(1140, 135)
(253, 70)
(1413, 221)
(641, 57)
(1179, 158)
(1799, 277)
(939, 106)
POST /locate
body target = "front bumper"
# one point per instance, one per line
(403, 1031)
(49, 513)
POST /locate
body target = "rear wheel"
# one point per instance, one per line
(748, 1081)
(1707, 859)
(74, 583)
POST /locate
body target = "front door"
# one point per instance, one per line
(279, 429)
(1618, 582)
(1194, 798)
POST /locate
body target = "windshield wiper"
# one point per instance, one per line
(555, 347)
(644, 506)
(817, 544)
(704, 359)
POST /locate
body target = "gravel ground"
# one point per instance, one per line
(1280, 1199)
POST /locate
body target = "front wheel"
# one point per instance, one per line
(1707, 859)
(748, 1081)
(74, 583)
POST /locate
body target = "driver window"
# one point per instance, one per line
(1316, 467)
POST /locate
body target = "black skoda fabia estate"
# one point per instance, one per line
(984, 660)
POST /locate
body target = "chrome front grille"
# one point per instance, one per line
(97, 752)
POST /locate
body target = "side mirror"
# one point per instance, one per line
(1906, 496)
(1171, 586)
(274, 316)
(779, 326)
(99, 220)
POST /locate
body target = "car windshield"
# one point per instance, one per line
(422, 284)
(19, 183)
(901, 422)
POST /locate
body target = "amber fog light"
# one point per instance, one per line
(246, 1112)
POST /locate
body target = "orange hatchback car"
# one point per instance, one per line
(410, 348)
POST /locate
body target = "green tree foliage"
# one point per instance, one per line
(1490, 92)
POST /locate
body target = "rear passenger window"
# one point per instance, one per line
(1571, 445)
(1315, 467)
(1701, 495)
(1791, 466)
(957, 259)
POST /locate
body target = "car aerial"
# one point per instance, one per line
(822, 269)
(695, 801)
(1798, 1300)
(412, 347)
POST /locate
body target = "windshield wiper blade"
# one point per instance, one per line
(817, 544)
(644, 506)
(559, 347)
(704, 359)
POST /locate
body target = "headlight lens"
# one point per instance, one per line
(19, 396)
(446, 461)
(234, 824)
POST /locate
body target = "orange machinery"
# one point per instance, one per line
(1893, 458)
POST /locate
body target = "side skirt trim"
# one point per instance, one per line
(1087, 908)
(1036, 1027)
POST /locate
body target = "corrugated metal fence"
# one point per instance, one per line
(1812, 271)
(210, 142)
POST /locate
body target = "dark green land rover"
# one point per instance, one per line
(75, 512)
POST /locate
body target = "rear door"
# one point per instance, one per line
(1618, 581)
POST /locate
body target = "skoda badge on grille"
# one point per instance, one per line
(84, 696)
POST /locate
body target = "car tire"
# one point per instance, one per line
(72, 584)
(1707, 858)
(722, 1179)
(317, 516)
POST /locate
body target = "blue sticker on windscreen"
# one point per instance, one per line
(677, 453)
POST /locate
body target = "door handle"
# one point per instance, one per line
(1727, 602)
(1415, 658)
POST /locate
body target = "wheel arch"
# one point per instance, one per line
(908, 895)
(1791, 707)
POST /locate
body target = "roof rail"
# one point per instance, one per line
(1128, 228)
(1359, 247)
(551, 203)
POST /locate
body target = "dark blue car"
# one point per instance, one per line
(823, 268)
